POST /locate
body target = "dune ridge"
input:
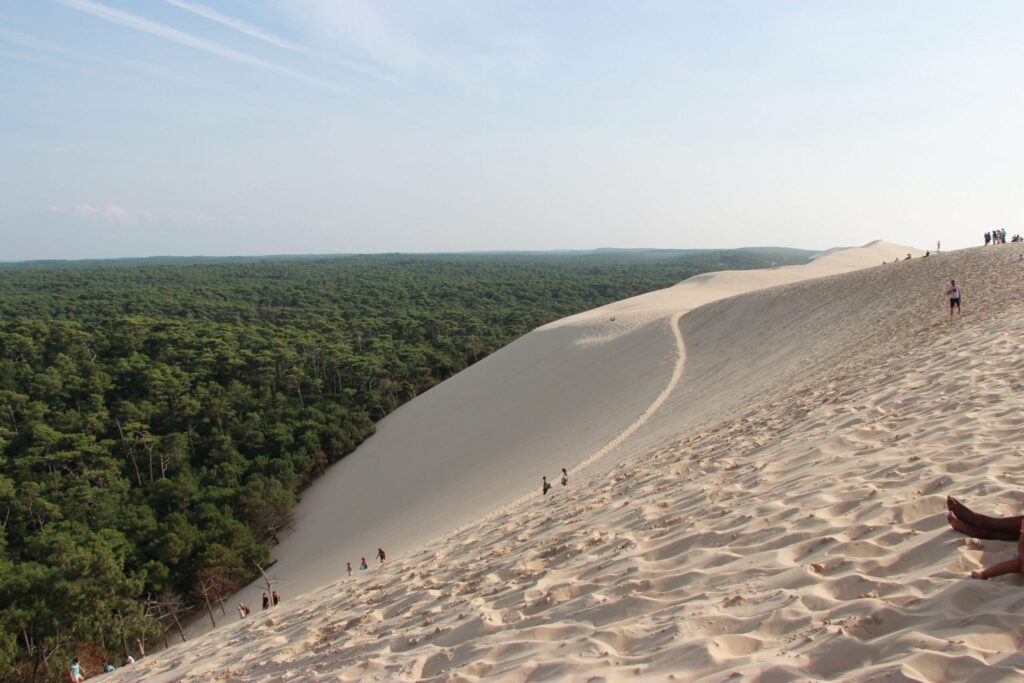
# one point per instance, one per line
(779, 516)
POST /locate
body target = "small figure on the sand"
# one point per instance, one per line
(907, 257)
(108, 666)
(380, 555)
(241, 611)
(362, 565)
(348, 568)
(938, 247)
(75, 672)
(926, 254)
(275, 597)
(545, 487)
(953, 292)
(266, 601)
(128, 659)
(565, 477)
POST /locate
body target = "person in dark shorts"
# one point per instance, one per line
(545, 487)
(266, 601)
(565, 477)
(953, 292)
(380, 555)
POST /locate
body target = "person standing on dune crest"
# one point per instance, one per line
(953, 292)
(565, 477)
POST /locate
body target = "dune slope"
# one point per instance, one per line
(780, 514)
(561, 396)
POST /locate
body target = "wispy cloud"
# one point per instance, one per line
(138, 23)
(106, 213)
(113, 214)
(275, 40)
(79, 62)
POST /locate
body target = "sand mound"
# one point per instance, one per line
(779, 514)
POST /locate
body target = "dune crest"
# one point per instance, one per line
(779, 513)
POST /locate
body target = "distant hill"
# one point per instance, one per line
(780, 254)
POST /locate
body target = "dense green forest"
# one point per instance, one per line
(158, 419)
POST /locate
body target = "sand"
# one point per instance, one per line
(757, 493)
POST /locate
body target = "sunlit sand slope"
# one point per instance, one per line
(779, 517)
(559, 397)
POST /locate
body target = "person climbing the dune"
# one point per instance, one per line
(565, 477)
(348, 568)
(362, 565)
(380, 555)
(266, 601)
(545, 486)
(953, 292)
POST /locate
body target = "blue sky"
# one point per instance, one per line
(322, 126)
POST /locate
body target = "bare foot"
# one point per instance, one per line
(978, 575)
(959, 524)
(959, 509)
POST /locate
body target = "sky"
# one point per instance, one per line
(242, 127)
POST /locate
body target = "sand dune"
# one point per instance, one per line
(773, 512)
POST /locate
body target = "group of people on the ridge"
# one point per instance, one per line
(547, 486)
(363, 566)
(999, 237)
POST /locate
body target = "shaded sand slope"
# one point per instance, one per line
(455, 452)
(798, 536)
(558, 397)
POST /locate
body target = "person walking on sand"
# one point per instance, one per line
(266, 601)
(545, 487)
(75, 672)
(380, 555)
(348, 568)
(565, 477)
(988, 238)
(362, 564)
(275, 597)
(953, 292)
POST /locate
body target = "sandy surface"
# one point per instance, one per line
(763, 498)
